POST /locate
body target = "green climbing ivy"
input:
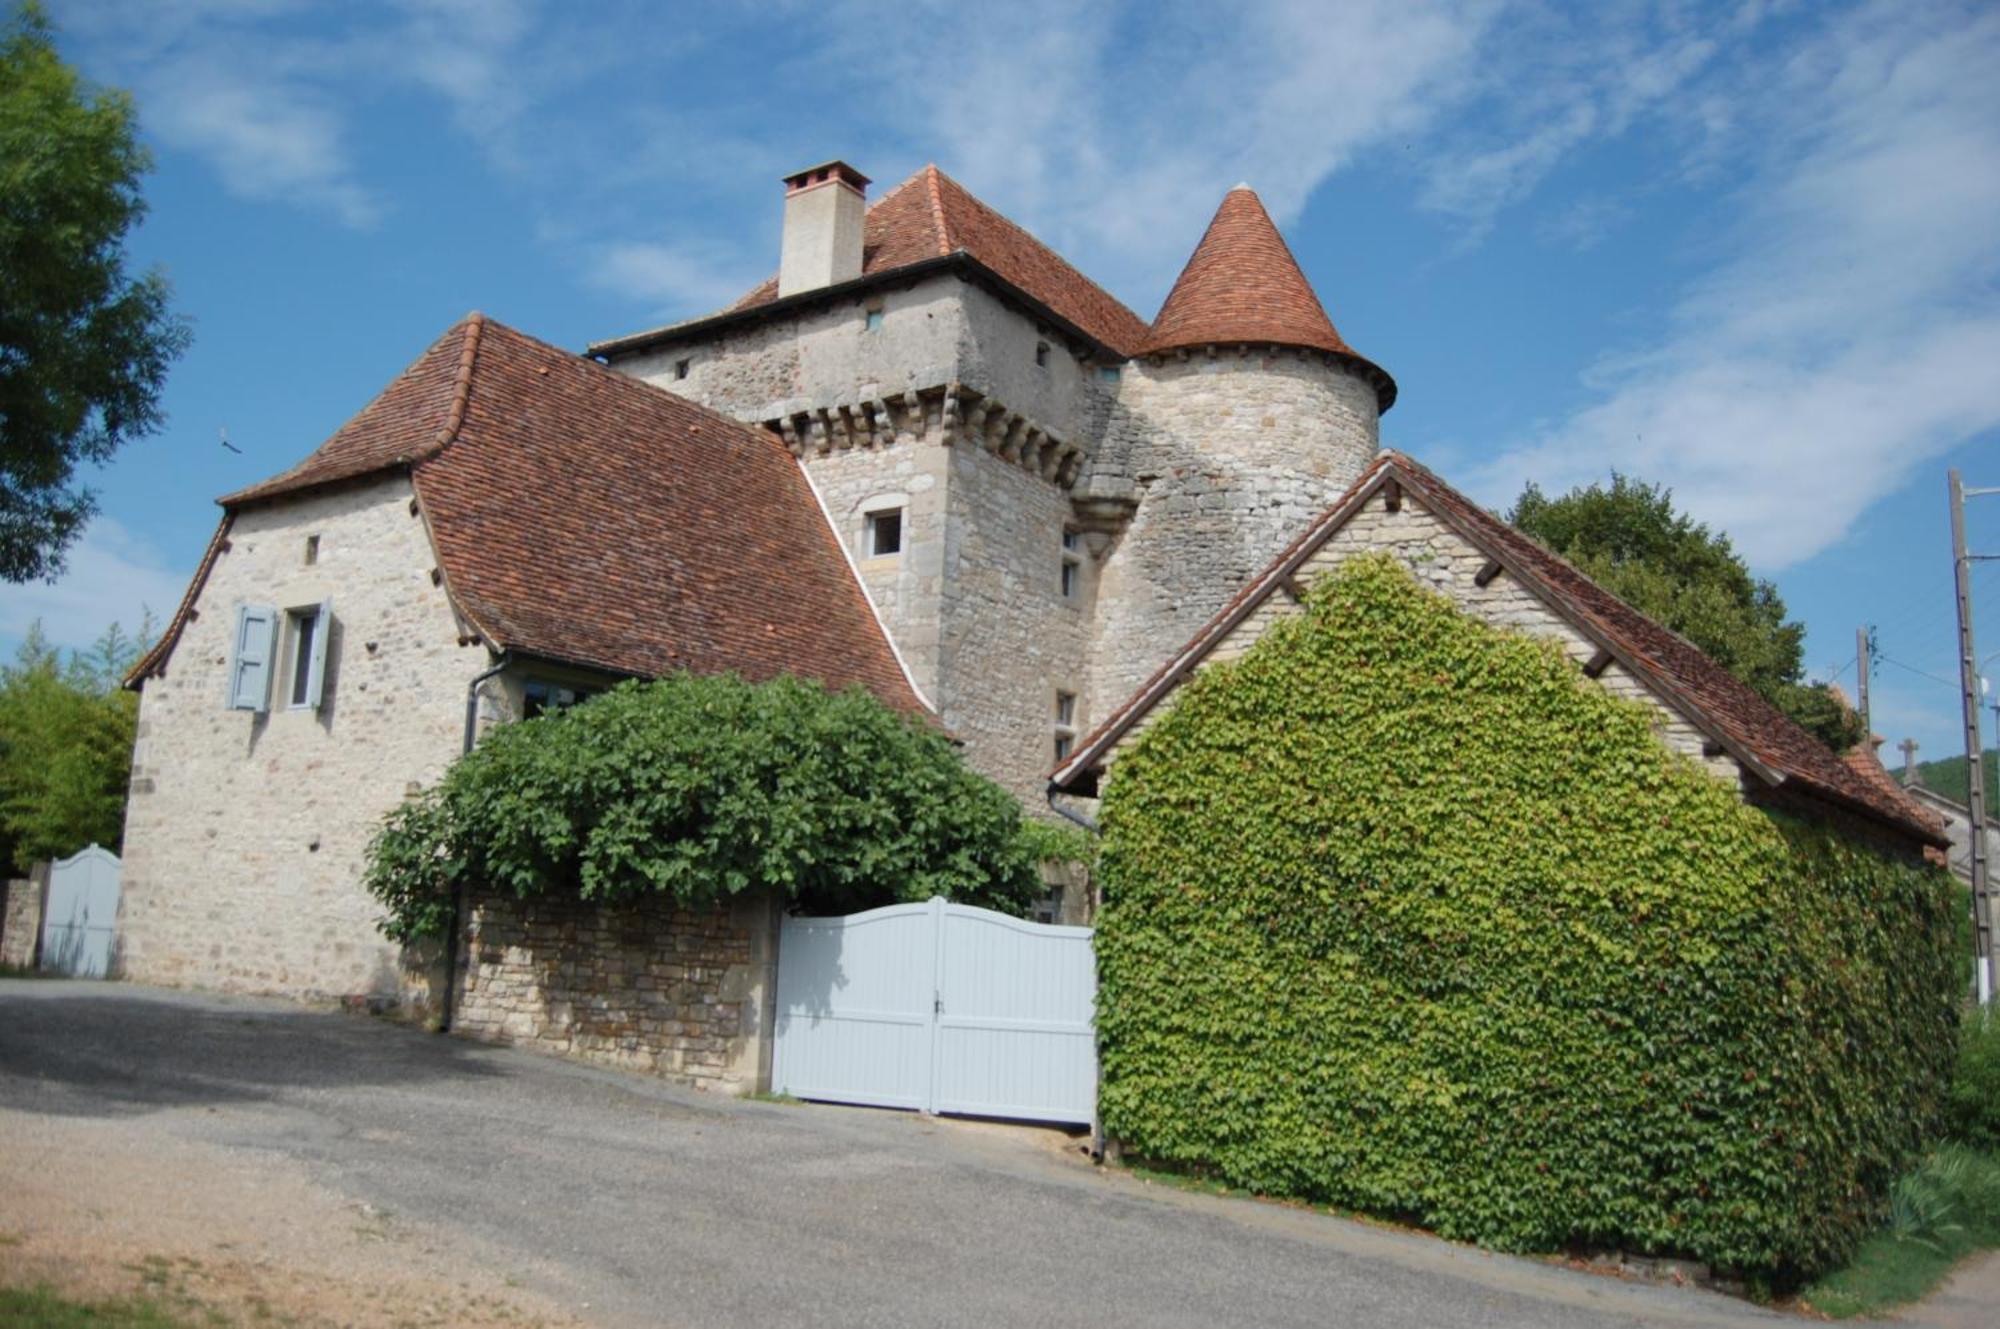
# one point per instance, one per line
(1403, 914)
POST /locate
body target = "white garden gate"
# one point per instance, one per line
(940, 1007)
(80, 921)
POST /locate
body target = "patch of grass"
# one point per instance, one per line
(765, 1096)
(46, 1309)
(1945, 1210)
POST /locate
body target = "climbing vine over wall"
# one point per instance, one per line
(1404, 914)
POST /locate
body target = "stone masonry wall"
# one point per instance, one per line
(245, 833)
(21, 919)
(1230, 455)
(1011, 641)
(1446, 563)
(820, 356)
(642, 986)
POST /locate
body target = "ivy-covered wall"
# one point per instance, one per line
(1403, 913)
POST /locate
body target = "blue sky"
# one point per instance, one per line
(1746, 250)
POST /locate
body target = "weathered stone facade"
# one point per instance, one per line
(245, 833)
(643, 986)
(21, 918)
(1179, 474)
(1445, 562)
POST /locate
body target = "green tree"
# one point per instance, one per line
(698, 787)
(66, 731)
(1630, 539)
(84, 346)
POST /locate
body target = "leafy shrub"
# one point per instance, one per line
(698, 788)
(1942, 1210)
(1403, 914)
(1975, 1089)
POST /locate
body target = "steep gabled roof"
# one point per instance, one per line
(585, 516)
(930, 217)
(1242, 285)
(1724, 708)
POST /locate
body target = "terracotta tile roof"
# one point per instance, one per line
(1243, 285)
(1716, 701)
(931, 215)
(586, 516)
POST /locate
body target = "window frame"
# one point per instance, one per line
(1065, 727)
(307, 631)
(1069, 582)
(873, 522)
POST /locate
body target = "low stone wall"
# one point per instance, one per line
(21, 919)
(675, 992)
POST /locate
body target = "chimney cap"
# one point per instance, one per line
(825, 173)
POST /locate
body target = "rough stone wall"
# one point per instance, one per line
(1446, 563)
(643, 986)
(1230, 455)
(907, 587)
(245, 833)
(1010, 638)
(997, 357)
(21, 919)
(822, 355)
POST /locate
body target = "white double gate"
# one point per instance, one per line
(940, 1007)
(80, 918)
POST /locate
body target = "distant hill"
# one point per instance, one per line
(1946, 776)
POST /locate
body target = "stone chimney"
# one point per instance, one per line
(825, 207)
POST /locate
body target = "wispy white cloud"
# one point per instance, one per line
(668, 279)
(113, 576)
(1847, 328)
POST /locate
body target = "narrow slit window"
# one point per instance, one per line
(1072, 564)
(1042, 354)
(874, 321)
(312, 550)
(1065, 726)
(884, 534)
(308, 654)
(681, 368)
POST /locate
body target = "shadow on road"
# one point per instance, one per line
(120, 1055)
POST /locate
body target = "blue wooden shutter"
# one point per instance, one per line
(316, 670)
(250, 665)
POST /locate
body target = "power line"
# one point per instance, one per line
(1921, 673)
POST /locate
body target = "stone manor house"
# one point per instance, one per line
(929, 457)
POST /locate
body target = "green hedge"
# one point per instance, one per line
(1403, 914)
(696, 787)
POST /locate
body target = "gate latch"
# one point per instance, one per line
(937, 1003)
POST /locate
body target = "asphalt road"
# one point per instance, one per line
(660, 1205)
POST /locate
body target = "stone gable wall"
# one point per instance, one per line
(245, 833)
(646, 986)
(1446, 563)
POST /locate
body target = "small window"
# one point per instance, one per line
(312, 550)
(541, 697)
(1072, 564)
(884, 533)
(874, 321)
(1108, 373)
(681, 368)
(307, 630)
(1042, 354)
(1065, 725)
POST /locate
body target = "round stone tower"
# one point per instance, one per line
(1244, 416)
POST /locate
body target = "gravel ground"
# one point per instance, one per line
(347, 1170)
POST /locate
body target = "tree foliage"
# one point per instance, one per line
(66, 732)
(1403, 914)
(697, 788)
(84, 346)
(1629, 538)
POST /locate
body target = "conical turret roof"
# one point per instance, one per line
(1243, 285)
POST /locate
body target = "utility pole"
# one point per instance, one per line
(1975, 761)
(1861, 680)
